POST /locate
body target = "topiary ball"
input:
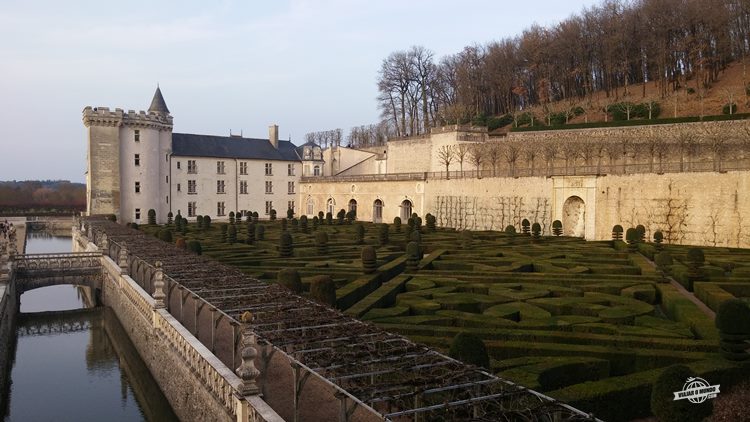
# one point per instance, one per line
(663, 259)
(557, 228)
(733, 317)
(666, 408)
(468, 348)
(695, 256)
(290, 279)
(617, 232)
(510, 229)
(323, 290)
(536, 229)
(641, 230)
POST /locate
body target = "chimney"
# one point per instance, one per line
(273, 135)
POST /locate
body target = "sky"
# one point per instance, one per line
(221, 65)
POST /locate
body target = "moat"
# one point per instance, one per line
(73, 360)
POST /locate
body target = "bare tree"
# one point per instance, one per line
(530, 154)
(462, 153)
(492, 152)
(511, 151)
(476, 156)
(446, 154)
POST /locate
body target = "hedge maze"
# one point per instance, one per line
(592, 324)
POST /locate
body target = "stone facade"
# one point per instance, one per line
(690, 181)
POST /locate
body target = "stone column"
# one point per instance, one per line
(247, 370)
(122, 259)
(104, 247)
(159, 286)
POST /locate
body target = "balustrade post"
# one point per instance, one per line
(104, 248)
(159, 286)
(122, 259)
(247, 370)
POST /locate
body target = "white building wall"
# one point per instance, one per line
(207, 198)
(153, 187)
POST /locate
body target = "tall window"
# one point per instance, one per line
(137, 159)
(220, 167)
(191, 187)
(290, 187)
(178, 187)
(269, 186)
(330, 205)
(269, 207)
(192, 167)
(243, 167)
(191, 209)
(406, 207)
(220, 208)
(290, 169)
(137, 214)
(310, 206)
(269, 169)
(219, 186)
(353, 205)
(316, 171)
(290, 205)
(178, 165)
(167, 178)
(137, 135)
(243, 187)
(137, 187)
(377, 211)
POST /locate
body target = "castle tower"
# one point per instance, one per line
(128, 161)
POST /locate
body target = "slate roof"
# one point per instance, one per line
(191, 145)
(157, 103)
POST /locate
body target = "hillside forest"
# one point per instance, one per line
(637, 54)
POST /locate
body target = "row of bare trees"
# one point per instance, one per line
(673, 43)
(359, 136)
(600, 155)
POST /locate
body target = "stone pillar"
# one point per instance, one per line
(159, 286)
(104, 247)
(122, 259)
(247, 370)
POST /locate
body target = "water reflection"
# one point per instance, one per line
(73, 361)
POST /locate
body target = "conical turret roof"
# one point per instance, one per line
(158, 104)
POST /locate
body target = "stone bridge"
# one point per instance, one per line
(33, 271)
(56, 322)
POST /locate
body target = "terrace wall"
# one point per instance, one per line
(700, 208)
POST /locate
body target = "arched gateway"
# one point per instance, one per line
(574, 217)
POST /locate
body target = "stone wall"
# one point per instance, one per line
(700, 208)
(198, 386)
(711, 209)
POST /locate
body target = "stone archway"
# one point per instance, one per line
(574, 217)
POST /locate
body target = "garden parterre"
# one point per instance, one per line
(588, 323)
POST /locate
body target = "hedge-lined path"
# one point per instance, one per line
(688, 295)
